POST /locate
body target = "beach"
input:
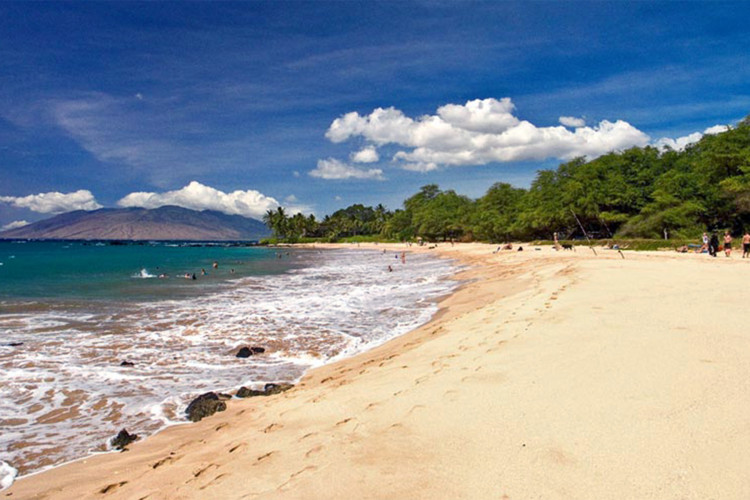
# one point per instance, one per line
(548, 374)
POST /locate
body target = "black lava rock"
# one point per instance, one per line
(127, 363)
(204, 406)
(244, 352)
(271, 389)
(258, 350)
(268, 390)
(123, 439)
(244, 392)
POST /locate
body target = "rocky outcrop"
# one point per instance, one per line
(246, 352)
(204, 406)
(268, 390)
(123, 439)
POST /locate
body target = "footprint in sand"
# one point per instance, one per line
(265, 456)
(309, 468)
(237, 447)
(212, 482)
(308, 435)
(313, 451)
(451, 395)
(112, 487)
(165, 461)
(202, 471)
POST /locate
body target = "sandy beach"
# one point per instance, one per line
(547, 375)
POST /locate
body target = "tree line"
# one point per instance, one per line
(636, 193)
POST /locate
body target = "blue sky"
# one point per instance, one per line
(316, 105)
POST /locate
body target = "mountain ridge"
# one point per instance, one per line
(164, 223)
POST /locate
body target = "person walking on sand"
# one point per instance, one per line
(746, 245)
(727, 244)
(704, 246)
(713, 245)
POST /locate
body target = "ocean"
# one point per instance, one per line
(72, 312)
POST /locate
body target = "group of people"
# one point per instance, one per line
(711, 245)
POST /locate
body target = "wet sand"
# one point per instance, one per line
(548, 375)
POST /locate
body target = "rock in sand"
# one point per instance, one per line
(204, 405)
(123, 439)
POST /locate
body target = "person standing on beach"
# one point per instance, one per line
(713, 245)
(704, 247)
(746, 245)
(727, 244)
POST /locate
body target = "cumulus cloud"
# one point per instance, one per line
(716, 129)
(480, 132)
(196, 196)
(14, 225)
(681, 143)
(572, 121)
(335, 169)
(54, 202)
(366, 155)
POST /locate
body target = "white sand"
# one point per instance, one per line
(552, 375)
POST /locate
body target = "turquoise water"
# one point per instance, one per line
(78, 270)
(72, 313)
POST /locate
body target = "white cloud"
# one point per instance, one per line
(335, 169)
(54, 202)
(291, 199)
(366, 155)
(196, 196)
(477, 133)
(716, 129)
(682, 142)
(485, 115)
(572, 121)
(14, 225)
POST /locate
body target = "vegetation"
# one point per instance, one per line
(637, 193)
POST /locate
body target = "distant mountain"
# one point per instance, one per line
(164, 223)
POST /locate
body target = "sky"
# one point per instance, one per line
(314, 106)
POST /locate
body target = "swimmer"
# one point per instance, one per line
(215, 265)
(203, 272)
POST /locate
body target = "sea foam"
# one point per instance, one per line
(68, 394)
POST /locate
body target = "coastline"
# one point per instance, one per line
(545, 374)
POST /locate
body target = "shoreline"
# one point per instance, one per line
(457, 407)
(344, 355)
